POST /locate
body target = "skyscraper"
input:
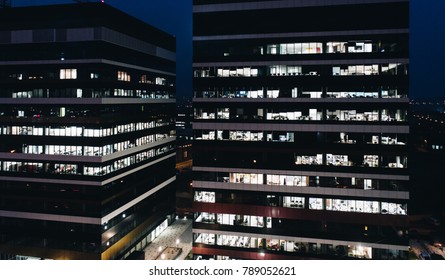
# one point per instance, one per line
(87, 150)
(300, 126)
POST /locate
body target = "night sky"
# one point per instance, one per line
(427, 75)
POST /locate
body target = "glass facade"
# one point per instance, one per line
(301, 130)
(87, 129)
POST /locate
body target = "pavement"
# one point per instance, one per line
(180, 230)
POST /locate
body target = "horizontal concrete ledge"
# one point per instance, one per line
(85, 101)
(301, 173)
(50, 217)
(280, 4)
(302, 34)
(294, 190)
(366, 127)
(302, 100)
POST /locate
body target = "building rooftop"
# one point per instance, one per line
(82, 15)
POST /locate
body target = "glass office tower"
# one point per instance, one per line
(87, 150)
(301, 132)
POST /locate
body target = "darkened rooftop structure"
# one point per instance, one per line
(81, 15)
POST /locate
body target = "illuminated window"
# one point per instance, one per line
(206, 238)
(315, 203)
(337, 160)
(123, 76)
(309, 160)
(371, 160)
(223, 113)
(246, 178)
(145, 80)
(68, 74)
(293, 202)
(202, 196)
(393, 208)
(161, 81)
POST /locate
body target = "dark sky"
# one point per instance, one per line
(427, 48)
(427, 75)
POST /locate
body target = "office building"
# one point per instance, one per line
(300, 129)
(87, 119)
